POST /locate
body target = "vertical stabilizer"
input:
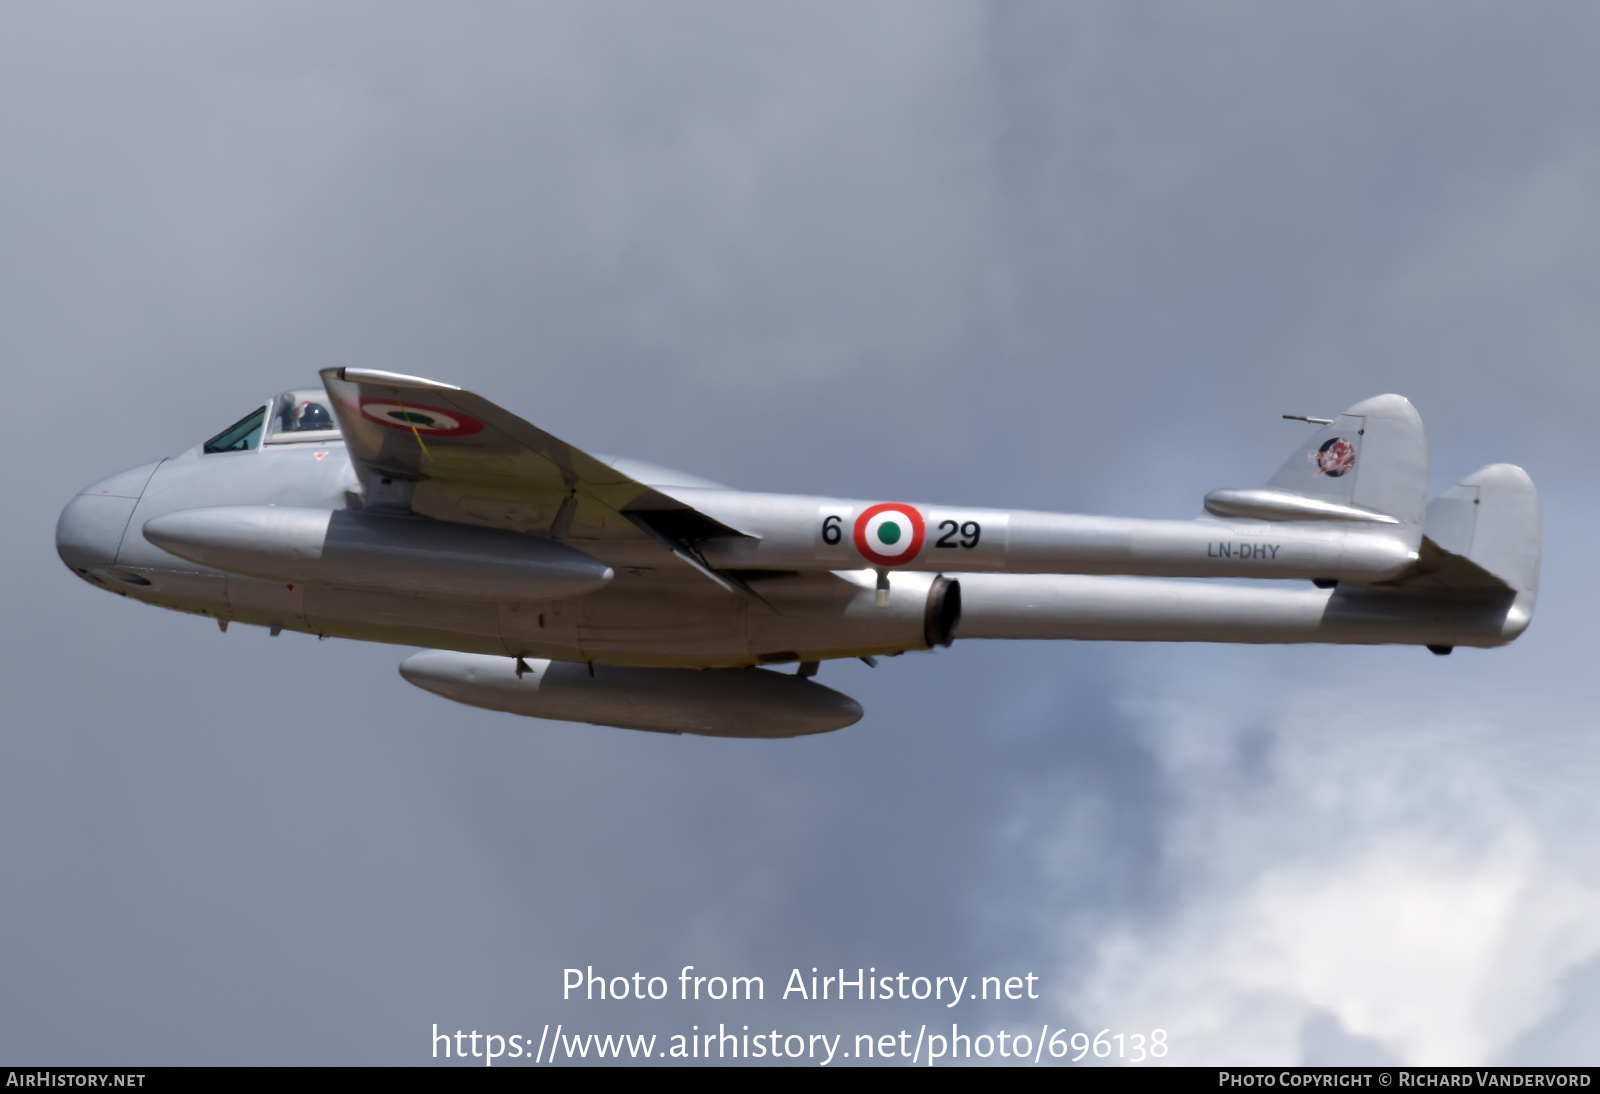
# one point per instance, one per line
(1492, 519)
(1374, 456)
(1482, 542)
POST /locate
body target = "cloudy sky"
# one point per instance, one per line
(1073, 257)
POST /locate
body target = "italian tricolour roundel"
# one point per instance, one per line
(890, 534)
(430, 421)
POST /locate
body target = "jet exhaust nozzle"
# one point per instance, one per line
(398, 553)
(706, 702)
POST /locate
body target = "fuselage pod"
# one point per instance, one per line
(375, 550)
(706, 702)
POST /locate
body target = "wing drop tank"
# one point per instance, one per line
(706, 702)
(397, 553)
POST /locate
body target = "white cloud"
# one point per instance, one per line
(1386, 864)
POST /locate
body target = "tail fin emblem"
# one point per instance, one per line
(1336, 457)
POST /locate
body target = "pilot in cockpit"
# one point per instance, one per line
(301, 415)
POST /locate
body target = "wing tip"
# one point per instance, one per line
(387, 379)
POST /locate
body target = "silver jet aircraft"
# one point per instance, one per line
(548, 582)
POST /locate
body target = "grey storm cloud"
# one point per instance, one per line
(1063, 257)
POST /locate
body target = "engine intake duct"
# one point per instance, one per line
(706, 702)
(370, 550)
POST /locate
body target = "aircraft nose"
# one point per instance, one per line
(90, 528)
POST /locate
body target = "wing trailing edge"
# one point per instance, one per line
(470, 461)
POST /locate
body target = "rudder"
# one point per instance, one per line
(1491, 518)
(1374, 456)
(1483, 540)
(1368, 466)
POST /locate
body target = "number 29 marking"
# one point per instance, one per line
(969, 534)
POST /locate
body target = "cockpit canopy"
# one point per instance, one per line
(302, 416)
(291, 418)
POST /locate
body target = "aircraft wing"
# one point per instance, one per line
(476, 463)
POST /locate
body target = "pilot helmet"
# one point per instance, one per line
(310, 415)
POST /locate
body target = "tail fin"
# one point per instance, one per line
(1374, 456)
(1483, 539)
(1489, 521)
(1370, 464)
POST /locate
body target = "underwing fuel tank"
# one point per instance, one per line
(375, 550)
(705, 702)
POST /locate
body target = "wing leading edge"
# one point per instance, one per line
(458, 457)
